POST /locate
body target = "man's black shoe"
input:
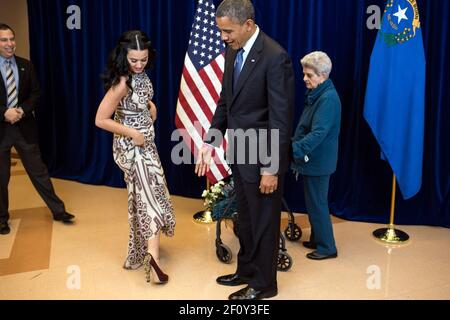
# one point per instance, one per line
(4, 228)
(309, 245)
(318, 256)
(248, 293)
(64, 217)
(230, 280)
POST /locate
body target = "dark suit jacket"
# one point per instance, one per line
(263, 99)
(29, 94)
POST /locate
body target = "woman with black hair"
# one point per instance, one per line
(128, 97)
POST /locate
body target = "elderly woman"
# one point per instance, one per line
(315, 150)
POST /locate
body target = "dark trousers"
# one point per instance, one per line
(258, 232)
(36, 169)
(316, 198)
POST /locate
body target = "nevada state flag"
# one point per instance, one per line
(395, 93)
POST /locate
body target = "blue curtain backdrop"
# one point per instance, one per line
(70, 62)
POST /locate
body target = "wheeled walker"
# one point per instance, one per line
(227, 210)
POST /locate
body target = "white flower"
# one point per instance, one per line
(213, 195)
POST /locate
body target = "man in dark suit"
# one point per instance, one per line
(256, 106)
(19, 95)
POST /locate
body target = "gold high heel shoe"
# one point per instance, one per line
(151, 267)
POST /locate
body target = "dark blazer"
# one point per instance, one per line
(317, 133)
(263, 99)
(29, 95)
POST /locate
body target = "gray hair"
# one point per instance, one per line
(237, 10)
(319, 62)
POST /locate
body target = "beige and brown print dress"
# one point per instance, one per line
(149, 207)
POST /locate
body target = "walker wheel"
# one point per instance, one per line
(284, 261)
(293, 232)
(224, 253)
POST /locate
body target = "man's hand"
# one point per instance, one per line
(203, 160)
(13, 115)
(22, 113)
(268, 184)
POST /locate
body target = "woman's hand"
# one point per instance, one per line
(138, 138)
(153, 111)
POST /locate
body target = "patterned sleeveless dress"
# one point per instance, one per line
(149, 207)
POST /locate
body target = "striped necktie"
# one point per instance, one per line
(11, 88)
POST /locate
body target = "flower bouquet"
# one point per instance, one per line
(220, 200)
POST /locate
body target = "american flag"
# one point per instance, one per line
(201, 84)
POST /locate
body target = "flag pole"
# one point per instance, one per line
(204, 216)
(390, 235)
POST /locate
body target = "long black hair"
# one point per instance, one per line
(118, 65)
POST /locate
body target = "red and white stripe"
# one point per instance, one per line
(197, 102)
